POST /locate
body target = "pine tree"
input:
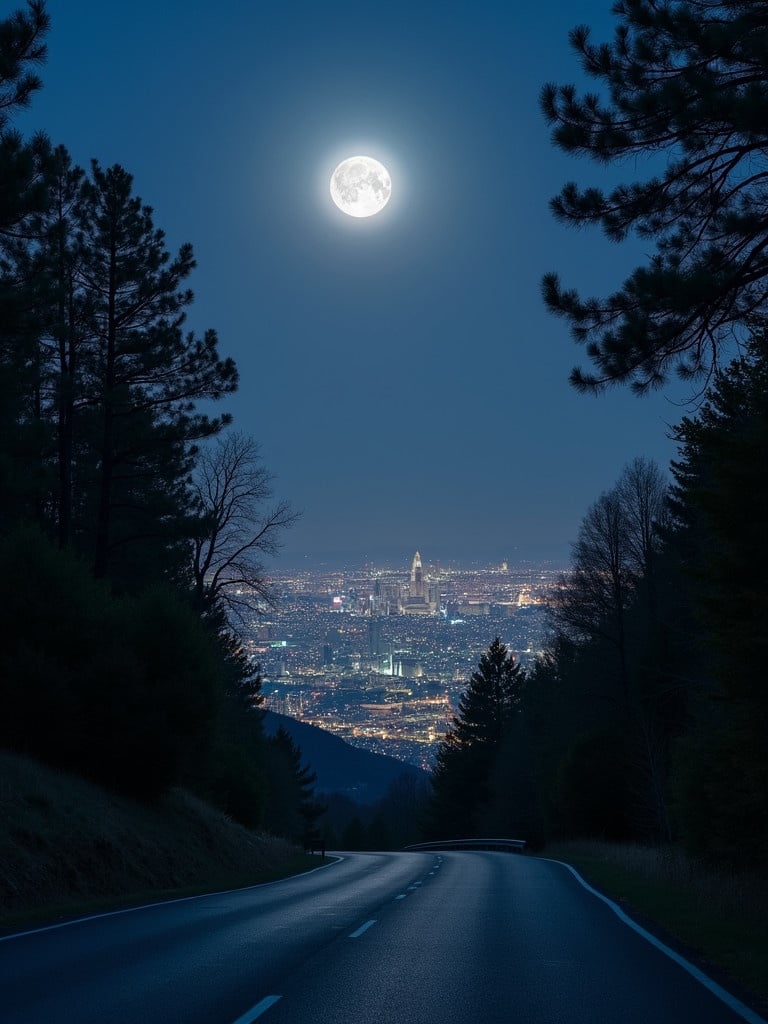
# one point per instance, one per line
(24, 440)
(22, 46)
(122, 690)
(465, 759)
(688, 81)
(292, 808)
(65, 306)
(720, 499)
(143, 374)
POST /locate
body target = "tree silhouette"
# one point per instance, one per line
(23, 195)
(231, 487)
(466, 757)
(686, 81)
(22, 47)
(144, 372)
(292, 808)
(719, 502)
(615, 549)
(63, 338)
(119, 677)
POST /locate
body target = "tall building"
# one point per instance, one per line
(386, 597)
(375, 637)
(379, 649)
(416, 590)
(422, 599)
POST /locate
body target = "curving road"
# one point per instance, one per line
(377, 938)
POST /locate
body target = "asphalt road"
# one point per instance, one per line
(377, 938)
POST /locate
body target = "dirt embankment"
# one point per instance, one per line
(67, 846)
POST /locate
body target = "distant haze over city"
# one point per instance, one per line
(552, 555)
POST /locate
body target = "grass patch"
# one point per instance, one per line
(721, 918)
(68, 847)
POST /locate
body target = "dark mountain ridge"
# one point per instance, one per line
(342, 768)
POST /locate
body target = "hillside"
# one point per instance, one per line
(66, 844)
(340, 767)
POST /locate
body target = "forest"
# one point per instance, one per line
(646, 719)
(134, 526)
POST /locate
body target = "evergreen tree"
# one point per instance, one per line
(64, 305)
(292, 808)
(22, 46)
(23, 194)
(144, 374)
(609, 606)
(719, 501)
(466, 757)
(689, 81)
(400, 810)
(122, 690)
(99, 428)
(577, 732)
(235, 776)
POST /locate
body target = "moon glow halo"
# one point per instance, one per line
(360, 186)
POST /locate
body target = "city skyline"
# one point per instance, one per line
(391, 558)
(380, 656)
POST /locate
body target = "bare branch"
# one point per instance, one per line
(238, 527)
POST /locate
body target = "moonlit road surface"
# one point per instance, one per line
(377, 938)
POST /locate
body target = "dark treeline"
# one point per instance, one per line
(648, 717)
(390, 823)
(649, 712)
(132, 525)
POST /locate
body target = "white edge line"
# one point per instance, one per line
(166, 903)
(717, 990)
(257, 1010)
(359, 932)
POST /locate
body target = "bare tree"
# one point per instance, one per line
(615, 552)
(239, 527)
(642, 490)
(615, 549)
(594, 595)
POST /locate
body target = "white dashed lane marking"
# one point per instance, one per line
(362, 929)
(256, 1011)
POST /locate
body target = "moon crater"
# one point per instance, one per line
(361, 186)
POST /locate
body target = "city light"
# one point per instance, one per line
(384, 661)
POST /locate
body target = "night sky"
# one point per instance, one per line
(407, 386)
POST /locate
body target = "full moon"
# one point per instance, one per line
(360, 186)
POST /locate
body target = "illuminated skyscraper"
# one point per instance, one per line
(421, 597)
(416, 591)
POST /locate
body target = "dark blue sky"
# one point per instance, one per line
(405, 382)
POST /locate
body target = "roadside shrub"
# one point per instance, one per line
(120, 690)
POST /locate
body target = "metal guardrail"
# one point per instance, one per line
(507, 845)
